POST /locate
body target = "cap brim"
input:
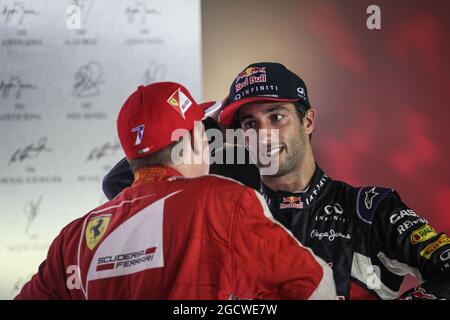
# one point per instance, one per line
(210, 108)
(226, 117)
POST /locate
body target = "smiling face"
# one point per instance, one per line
(293, 133)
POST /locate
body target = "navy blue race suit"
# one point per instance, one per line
(370, 238)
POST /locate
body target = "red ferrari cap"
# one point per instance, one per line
(152, 113)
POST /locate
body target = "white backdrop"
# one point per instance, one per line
(66, 67)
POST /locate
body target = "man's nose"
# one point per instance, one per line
(266, 133)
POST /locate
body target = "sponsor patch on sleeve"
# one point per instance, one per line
(432, 247)
(422, 234)
(95, 229)
(368, 200)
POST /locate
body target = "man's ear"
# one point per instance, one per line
(309, 120)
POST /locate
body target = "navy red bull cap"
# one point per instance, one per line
(264, 81)
(152, 113)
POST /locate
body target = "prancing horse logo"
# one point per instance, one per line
(95, 229)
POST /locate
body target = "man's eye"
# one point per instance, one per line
(276, 117)
(249, 124)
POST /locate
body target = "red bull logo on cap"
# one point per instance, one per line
(250, 71)
(291, 202)
(250, 77)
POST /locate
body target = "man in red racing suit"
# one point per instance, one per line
(174, 237)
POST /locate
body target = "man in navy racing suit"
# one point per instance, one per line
(369, 237)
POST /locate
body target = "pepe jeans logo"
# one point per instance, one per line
(329, 235)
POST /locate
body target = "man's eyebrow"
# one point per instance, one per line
(275, 108)
(248, 116)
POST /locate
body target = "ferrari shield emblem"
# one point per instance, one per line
(95, 229)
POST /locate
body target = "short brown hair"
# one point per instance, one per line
(301, 110)
(160, 157)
